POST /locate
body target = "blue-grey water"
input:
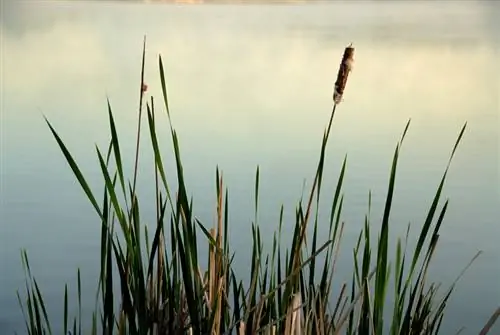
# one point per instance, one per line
(248, 86)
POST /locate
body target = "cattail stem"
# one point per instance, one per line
(344, 69)
(315, 183)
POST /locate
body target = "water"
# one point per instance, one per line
(252, 85)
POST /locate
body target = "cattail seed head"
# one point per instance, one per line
(345, 68)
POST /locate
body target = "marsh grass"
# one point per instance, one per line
(163, 290)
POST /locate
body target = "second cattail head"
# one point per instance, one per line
(345, 68)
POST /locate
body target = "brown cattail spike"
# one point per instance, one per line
(345, 68)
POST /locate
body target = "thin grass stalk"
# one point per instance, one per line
(138, 133)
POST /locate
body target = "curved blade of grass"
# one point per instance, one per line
(156, 239)
(382, 256)
(113, 198)
(209, 237)
(42, 305)
(433, 207)
(380, 278)
(164, 91)
(116, 150)
(76, 170)
(156, 150)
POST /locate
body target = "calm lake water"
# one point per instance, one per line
(252, 85)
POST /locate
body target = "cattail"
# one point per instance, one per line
(345, 68)
(144, 88)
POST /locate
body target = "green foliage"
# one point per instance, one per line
(163, 291)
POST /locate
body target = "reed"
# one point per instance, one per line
(163, 290)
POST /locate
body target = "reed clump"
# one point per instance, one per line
(163, 290)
